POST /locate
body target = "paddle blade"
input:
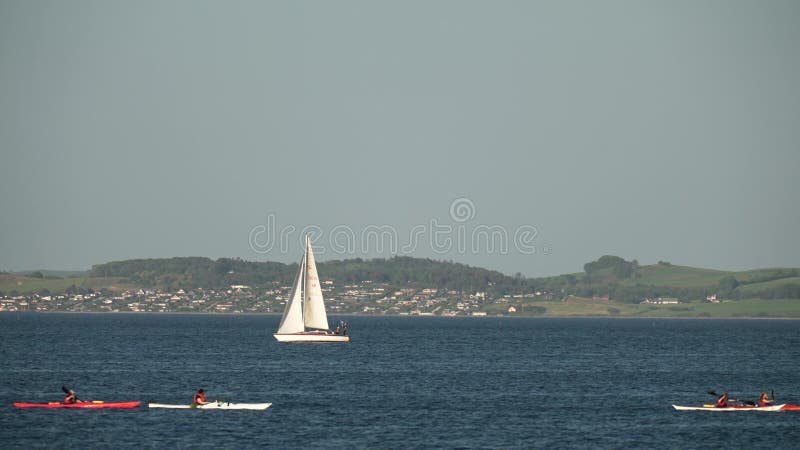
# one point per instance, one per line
(66, 390)
(714, 393)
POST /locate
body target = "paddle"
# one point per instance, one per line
(719, 395)
(746, 402)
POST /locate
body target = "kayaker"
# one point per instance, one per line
(764, 400)
(71, 398)
(200, 398)
(722, 401)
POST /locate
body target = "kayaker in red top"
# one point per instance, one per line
(200, 398)
(764, 400)
(722, 401)
(71, 397)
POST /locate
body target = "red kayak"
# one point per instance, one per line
(85, 405)
(790, 408)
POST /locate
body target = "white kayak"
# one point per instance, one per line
(214, 405)
(729, 408)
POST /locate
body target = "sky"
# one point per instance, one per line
(520, 136)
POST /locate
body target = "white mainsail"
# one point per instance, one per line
(313, 305)
(292, 320)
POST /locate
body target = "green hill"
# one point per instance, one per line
(629, 282)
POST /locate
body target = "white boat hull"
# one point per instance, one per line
(311, 337)
(215, 405)
(736, 408)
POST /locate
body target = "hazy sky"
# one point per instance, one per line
(656, 130)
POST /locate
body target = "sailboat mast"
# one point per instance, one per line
(303, 282)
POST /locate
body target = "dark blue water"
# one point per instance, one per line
(401, 382)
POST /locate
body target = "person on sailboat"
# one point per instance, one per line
(200, 398)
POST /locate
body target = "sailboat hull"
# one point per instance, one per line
(311, 337)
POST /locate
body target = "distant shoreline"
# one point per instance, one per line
(174, 313)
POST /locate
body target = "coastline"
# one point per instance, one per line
(515, 317)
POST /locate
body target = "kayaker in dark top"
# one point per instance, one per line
(722, 401)
(200, 398)
(764, 400)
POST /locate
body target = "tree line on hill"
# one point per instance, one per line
(190, 272)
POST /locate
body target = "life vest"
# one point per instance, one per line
(68, 400)
(722, 403)
(198, 398)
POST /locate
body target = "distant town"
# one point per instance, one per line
(361, 298)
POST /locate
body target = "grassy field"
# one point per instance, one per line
(576, 306)
(752, 290)
(27, 285)
(739, 308)
(676, 276)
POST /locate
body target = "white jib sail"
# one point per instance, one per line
(292, 320)
(314, 306)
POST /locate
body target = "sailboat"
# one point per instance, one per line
(304, 319)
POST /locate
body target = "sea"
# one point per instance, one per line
(402, 382)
